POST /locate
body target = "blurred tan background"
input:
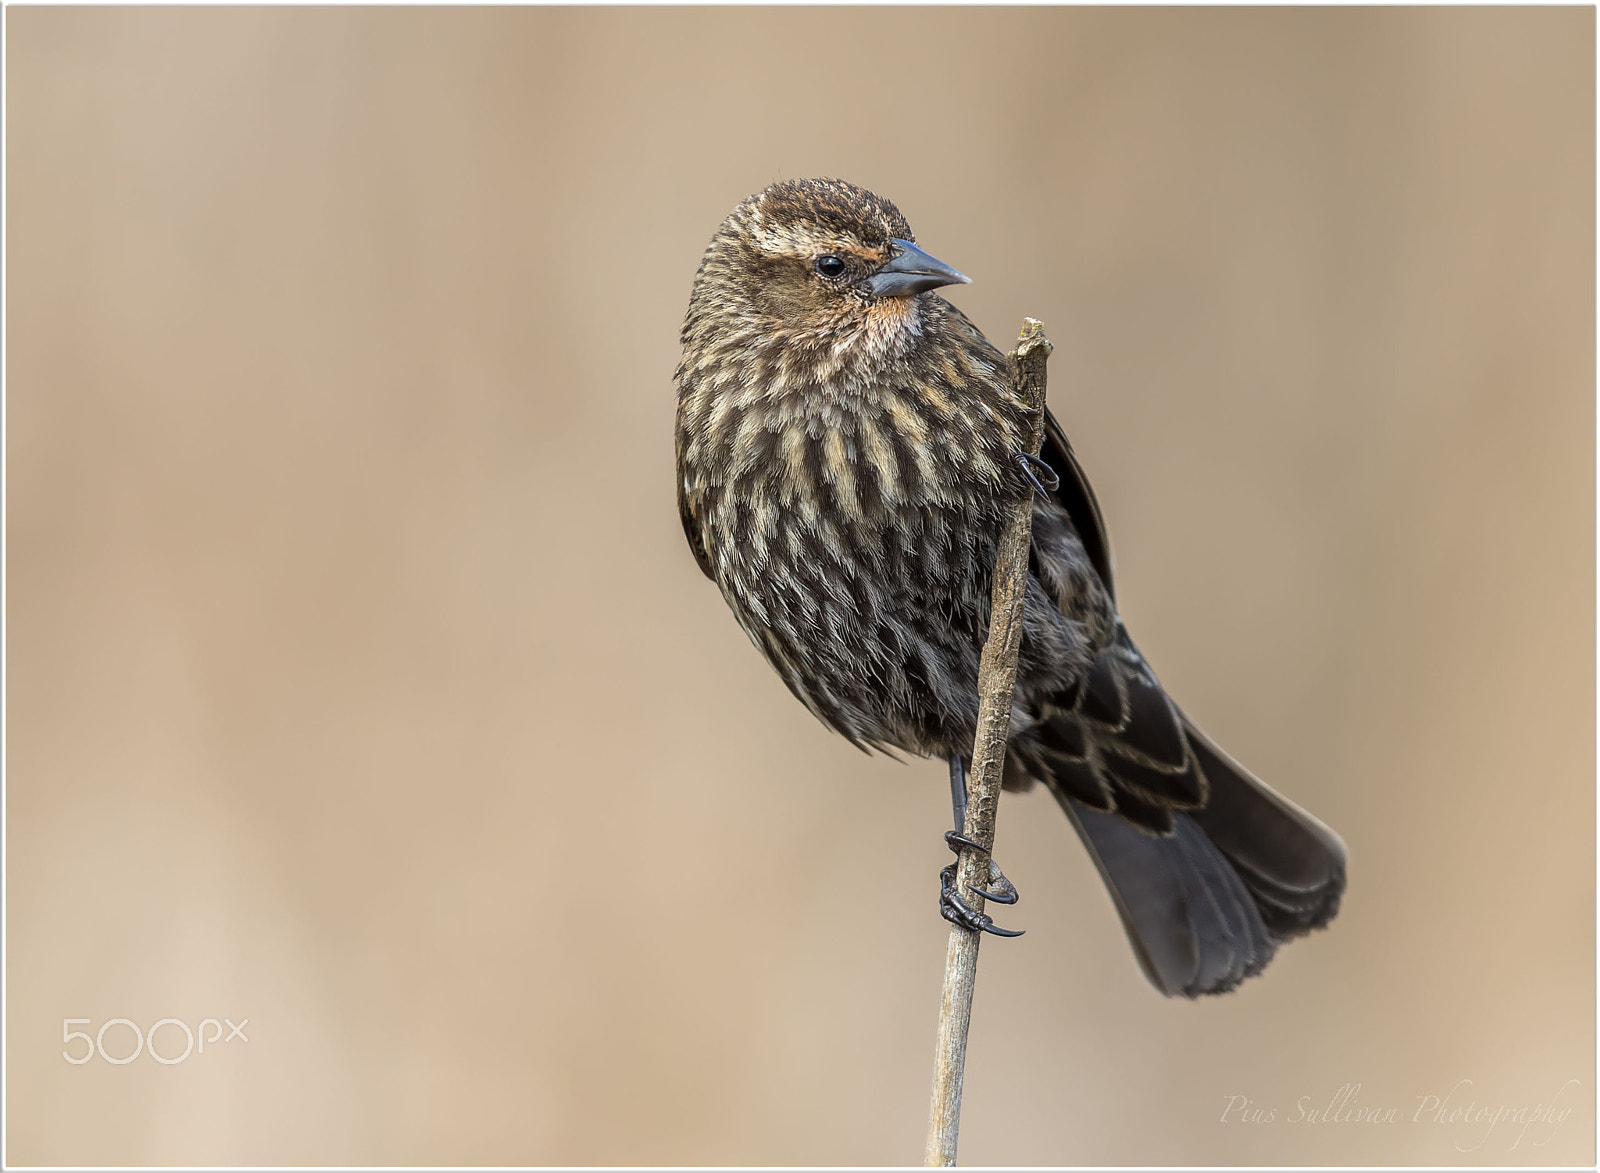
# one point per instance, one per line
(361, 684)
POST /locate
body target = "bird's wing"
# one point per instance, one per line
(1077, 498)
(1075, 495)
(691, 530)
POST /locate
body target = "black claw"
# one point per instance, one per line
(1033, 468)
(956, 841)
(996, 897)
(991, 927)
(1006, 895)
(1008, 890)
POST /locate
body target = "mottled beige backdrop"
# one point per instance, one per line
(362, 685)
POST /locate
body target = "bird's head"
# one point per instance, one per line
(818, 261)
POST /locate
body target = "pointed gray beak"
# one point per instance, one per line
(911, 271)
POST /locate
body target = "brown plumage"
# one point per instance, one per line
(846, 443)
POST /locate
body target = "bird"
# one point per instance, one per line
(847, 445)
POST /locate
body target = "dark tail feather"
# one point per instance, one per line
(1192, 922)
(1292, 863)
(1207, 906)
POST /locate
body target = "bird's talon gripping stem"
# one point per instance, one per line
(1033, 469)
(1007, 891)
(954, 909)
(958, 912)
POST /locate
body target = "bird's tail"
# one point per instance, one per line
(1206, 905)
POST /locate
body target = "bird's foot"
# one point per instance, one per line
(956, 910)
(1006, 892)
(1037, 473)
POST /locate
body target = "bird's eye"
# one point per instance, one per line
(830, 266)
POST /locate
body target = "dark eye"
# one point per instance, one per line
(830, 266)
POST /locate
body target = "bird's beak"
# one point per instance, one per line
(911, 271)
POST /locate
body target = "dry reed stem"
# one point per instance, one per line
(997, 678)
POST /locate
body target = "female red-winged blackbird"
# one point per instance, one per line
(847, 444)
